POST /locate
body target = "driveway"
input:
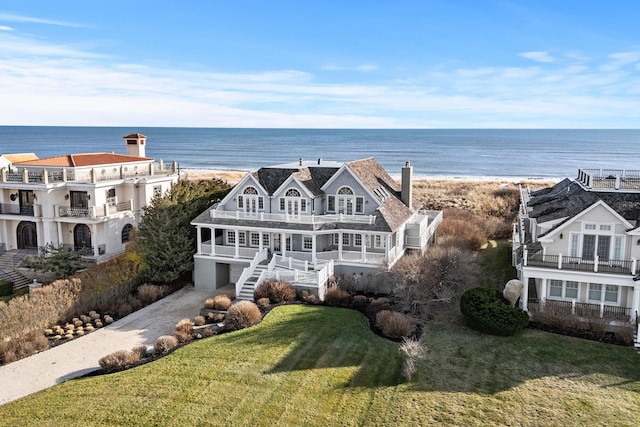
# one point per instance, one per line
(80, 356)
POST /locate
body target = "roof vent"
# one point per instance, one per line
(320, 160)
(300, 161)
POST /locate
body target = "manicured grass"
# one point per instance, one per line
(306, 365)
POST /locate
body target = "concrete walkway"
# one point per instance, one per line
(80, 356)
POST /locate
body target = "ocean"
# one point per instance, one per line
(449, 153)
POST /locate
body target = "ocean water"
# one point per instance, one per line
(462, 153)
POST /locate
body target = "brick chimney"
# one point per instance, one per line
(407, 180)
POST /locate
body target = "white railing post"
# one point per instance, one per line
(525, 254)
(596, 260)
(573, 307)
(601, 309)
(560, 261)
(634, 264)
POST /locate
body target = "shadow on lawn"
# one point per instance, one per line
(324, 338)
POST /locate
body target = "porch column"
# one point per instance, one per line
(363, 247)
(524, 296)
(635, 306)
(39, 234)
(543, 291)
(198, 240)
(94, 238)
(340, 246)
(283, 244)
(213, 240)
(60, 238)
(387, 248)
(237, 244)
(260, 244)
(313, 249)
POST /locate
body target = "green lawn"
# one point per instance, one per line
(306, 365)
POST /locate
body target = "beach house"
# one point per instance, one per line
(576, 246)
(87, 202)
(307, 221)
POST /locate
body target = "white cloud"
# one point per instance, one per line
(538, 56)
(6, 28)
(363, 67)
(10, 17)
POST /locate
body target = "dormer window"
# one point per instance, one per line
(345, 202)
(293, 203)
(250, 201)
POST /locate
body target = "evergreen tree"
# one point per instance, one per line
(167, 240)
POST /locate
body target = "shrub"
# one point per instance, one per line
(337, 296)
(413, 353)
(263, 303)
(150, 293)
(165, 343)
(485, 309)
(242, 315)
(124, 309)
(183, 330)
(209, 303)
(277, 291)
(199, 321)
(215, 317)
(122, 358)
(6, 288)
(360, 301)
(394, 324)
(221, 302)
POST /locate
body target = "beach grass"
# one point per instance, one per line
(312, 365)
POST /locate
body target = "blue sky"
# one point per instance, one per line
(321, 64)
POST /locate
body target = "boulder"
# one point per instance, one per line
(512, 291)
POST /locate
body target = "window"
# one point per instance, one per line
(345, 200)
(378, 241)
(331, 203)
(242, 238)
(336, 239)
(111, 196)
(307, 243)
(573, 249)
(617, 247)
(240, 202)
(359, 204)
(251, 191)
(555, 288)
(293, 202)
(250, 201)
(571, 290)
(605, 227)
(281, 203)
(231, 237)
(588, 246)
(265, 240)
(357, 240)
(589, 226)
(345, 239)
(126, 230)
(604, 243)
(595, 292)
(611, 293)
(255, 239)
(157, 190)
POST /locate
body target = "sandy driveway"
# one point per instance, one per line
(80, 356)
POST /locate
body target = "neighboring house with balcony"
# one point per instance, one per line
(306, 221)
(88, 202)
(577, 245)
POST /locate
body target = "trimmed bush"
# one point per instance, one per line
(199, 320)
(242, 315)
(486, 310)
(263, 302)
(120, 359)
(6, 288)
(394, 324)
(150, 293)
(183, 330)
(215, 317)
(165, 343)
(221, 302)
(277, 291)
(337, 296)
(209, 303)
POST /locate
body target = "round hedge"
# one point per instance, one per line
(486, 310)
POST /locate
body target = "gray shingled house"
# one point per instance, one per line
(576, 246)
(306, 221)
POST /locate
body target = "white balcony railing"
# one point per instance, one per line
(298, 219)
(93, 211)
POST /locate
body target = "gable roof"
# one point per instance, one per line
(313, 178)
(85, 159)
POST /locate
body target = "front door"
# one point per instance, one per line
(27, 235)
(81, 237)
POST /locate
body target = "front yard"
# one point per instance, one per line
(310, 365)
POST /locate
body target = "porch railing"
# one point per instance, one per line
(248, 271)
(561, 262)
(581, 309)
(299, 219)
(26, 210)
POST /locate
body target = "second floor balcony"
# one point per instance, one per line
(292, 218)
(562, 262)
(93, 211)
(24, 210)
